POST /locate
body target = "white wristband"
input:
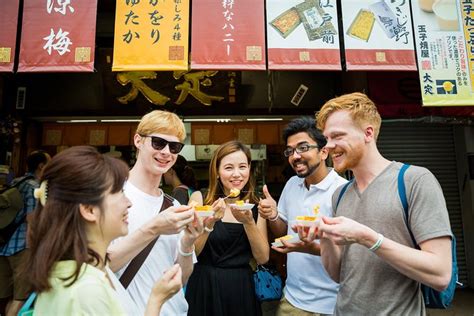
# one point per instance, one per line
(275, 218)
(377, 244)
(185, 254)
(209, 230)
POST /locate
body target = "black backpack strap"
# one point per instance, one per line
(344, 188)
(18, 183)
(137, 262)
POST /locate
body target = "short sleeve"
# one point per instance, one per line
(428, 214)
(93, 298)
(181, 195)
(282, 203)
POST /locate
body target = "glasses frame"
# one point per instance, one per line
(298, 150)
(174, 147)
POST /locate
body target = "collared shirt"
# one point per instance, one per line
(18, 240)
(308, 286)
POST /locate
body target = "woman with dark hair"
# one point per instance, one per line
(222, 282)
(181, 178)
(81, 209)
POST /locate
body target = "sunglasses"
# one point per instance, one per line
(159, 143)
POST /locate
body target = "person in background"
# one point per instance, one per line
(309, 290)
(81, 209)
(181, 178)
(14, 251)
(367, 246)
(158, 140)
(222, 282)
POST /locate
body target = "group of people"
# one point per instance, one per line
(106, 240)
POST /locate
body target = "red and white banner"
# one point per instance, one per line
(58, 36)
(378, 35)
(303, 35)
(228, 34)
(8, 30)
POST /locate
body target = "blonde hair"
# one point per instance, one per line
(359, 106)
(162, 122)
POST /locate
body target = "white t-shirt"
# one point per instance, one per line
(308, 286)
(161, 257)
(126, 301)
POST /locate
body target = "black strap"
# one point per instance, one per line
(17, 184)
(137, 262)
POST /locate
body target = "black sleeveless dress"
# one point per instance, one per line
(222, 280)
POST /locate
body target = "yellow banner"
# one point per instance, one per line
(151, 35)
(467, 18)
(444, 35)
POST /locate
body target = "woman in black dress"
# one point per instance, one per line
(222, 282)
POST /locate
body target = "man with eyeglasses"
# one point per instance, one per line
(309, 290)
(158, 140)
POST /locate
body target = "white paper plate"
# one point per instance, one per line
(204, 213)
(294, 238)
(245, 207)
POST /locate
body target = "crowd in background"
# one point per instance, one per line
(102, 239)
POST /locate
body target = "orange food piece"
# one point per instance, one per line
(234, 192)
(240, 202)
(204, 208)
(286, 237)
(306, 218)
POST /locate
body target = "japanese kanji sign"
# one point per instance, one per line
(228, 34)
(303, 35)
(58, 35)
(8, 26)
(444, 34)
(151, 35)
(378, 35)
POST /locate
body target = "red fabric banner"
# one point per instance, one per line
(228, 34)
(8, 28)
(58, 36)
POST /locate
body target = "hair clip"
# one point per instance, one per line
(41, 193)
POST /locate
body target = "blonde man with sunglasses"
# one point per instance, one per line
(158, 140)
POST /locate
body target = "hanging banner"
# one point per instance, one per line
(151, 35)
(378, 35)
(228, 34)
(303, 35)
(444, 32)
(58, 36)
(8, 27)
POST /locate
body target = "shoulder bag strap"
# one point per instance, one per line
(137, 262)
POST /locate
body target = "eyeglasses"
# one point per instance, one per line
(159, 143)
(302, 148)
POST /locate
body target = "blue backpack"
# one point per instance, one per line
(433, 298)
(28, 308)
